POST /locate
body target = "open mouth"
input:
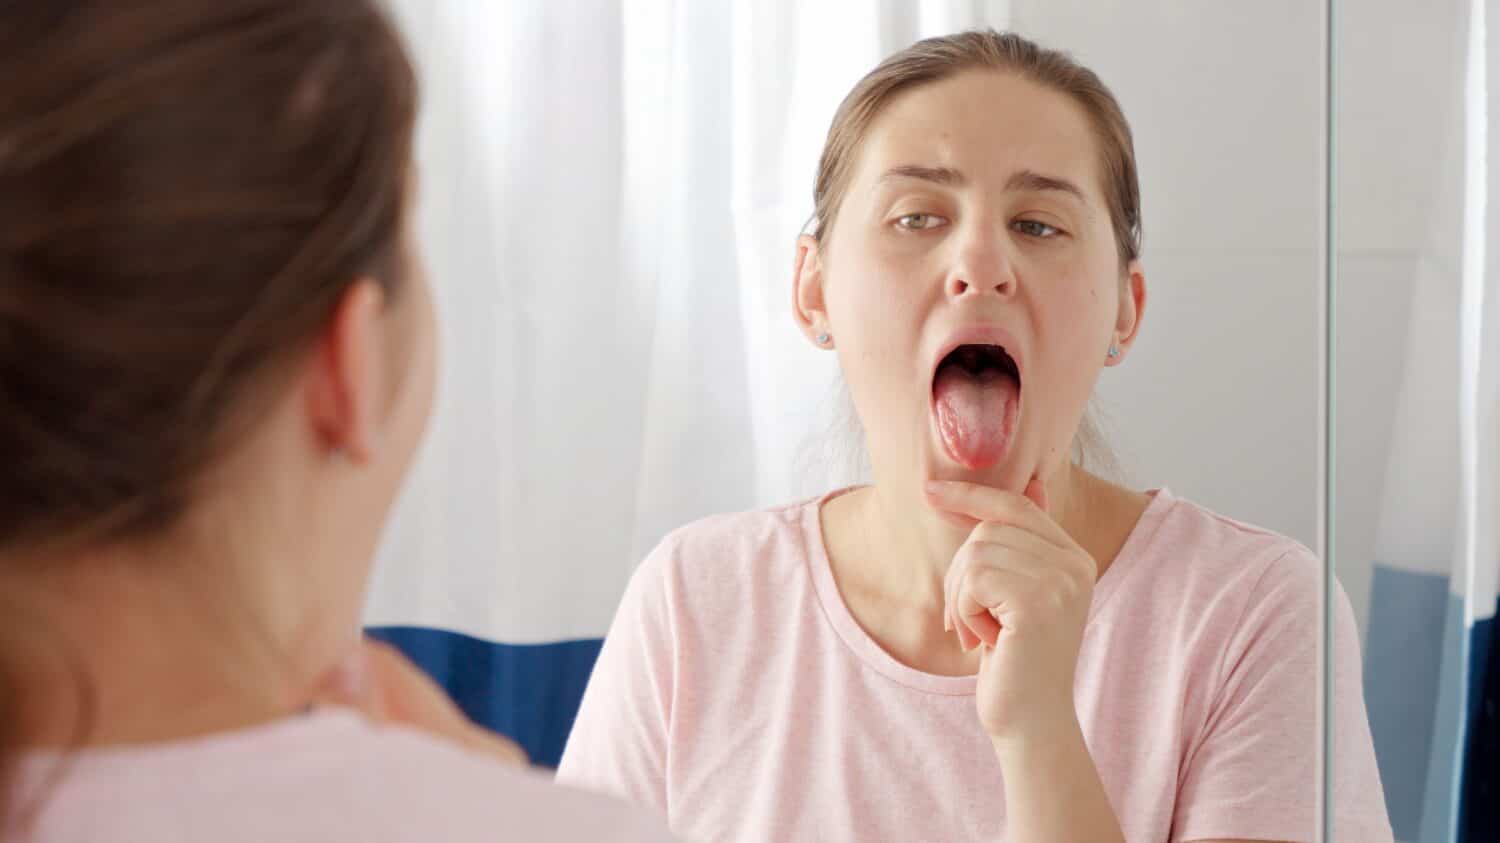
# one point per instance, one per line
(976, 395)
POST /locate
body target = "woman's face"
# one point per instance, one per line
(974, 220)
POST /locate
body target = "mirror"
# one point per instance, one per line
(611, 195)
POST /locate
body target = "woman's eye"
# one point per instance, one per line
(919, 222)
(1032, 228)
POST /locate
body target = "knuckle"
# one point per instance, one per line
(1000, 532)
(962, 562)
(1058, 589)
(979, 552)
(989, 531)
(973, 579)
(1067, 592)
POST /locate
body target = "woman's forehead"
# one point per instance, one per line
(985, 125)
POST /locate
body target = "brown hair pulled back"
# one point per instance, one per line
(187, 187)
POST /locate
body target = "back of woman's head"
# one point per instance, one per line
(186, 189)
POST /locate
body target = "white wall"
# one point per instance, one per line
(1219, 399)
(1395, 105)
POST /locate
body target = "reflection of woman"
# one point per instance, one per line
(813, 671)
(216, 359)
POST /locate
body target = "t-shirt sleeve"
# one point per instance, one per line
(1252, 771)
(618, 744)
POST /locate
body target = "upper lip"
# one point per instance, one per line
(981, 335)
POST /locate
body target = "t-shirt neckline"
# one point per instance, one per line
(874, 656)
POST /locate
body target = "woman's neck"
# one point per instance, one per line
(894, 529)
(890, 552)
(122, 650)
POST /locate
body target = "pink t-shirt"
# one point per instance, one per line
(737, 694)
(325, 777)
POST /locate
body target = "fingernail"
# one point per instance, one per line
(935, 486)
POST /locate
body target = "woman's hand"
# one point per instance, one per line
(1020, 589)
(383, 685)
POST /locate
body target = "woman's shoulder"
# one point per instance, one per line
(1221, 595)
(747, 530)
(738, 546)
(328, 775)
(1184, 538)
(1185, 559)
(467, 795)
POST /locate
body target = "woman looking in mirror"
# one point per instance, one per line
(989, 641)
(216, 361)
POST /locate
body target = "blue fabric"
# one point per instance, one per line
(1480, 808)
(1432, 686)
(1403, 663)
(528, 692)
(1445, 764)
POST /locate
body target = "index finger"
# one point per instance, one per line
(986, 503)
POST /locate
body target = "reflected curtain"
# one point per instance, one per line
(1431, 674)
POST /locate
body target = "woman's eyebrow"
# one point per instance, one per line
(946, 176)
(1029, 181)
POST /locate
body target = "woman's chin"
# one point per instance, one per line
(1004, 472)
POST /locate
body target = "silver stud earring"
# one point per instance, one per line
(1114, 351)
(824, 338)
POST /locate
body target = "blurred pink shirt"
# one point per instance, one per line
(737, 694)
(324, 777)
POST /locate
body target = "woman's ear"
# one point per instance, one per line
(808, 306)
(1132, 312)
(347, 373)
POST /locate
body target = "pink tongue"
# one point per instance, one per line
(974, 414)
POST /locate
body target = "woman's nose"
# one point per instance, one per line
(959, 286)
(982, 268)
